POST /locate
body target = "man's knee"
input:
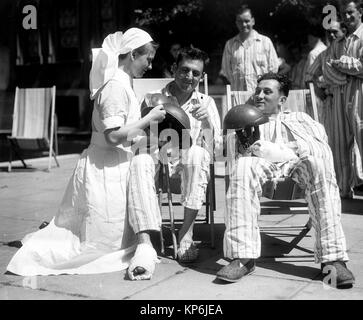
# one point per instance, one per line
(243, 168)
(196, 155)
(142, 162)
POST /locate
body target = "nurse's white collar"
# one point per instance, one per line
(123, 77)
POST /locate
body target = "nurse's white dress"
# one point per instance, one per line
(90, 233)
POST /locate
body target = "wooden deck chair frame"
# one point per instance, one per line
(141, 87)
(47, 143)
(269, 189)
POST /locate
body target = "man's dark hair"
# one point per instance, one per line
(191, 53)
(282, 79)
(244, 8)
(358, 3)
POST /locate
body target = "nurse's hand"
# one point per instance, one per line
(157, 114)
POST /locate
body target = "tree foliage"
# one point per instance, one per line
(160, 15)
(312, 10)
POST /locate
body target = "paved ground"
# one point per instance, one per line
(28, 197)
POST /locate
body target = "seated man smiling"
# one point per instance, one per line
(192, 163)
(311, 166)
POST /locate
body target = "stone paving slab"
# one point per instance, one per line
(101, 286)
(11, 292)
(316, 291)
(194, 284)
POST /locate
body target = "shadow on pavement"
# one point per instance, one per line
(210, 260)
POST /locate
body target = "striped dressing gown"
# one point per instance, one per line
(243, 62)
(313, 170)
(348, 113)
(333, 115)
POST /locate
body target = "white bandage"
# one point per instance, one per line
(273, 152)
(144, 257)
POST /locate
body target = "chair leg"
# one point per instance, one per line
(207, 205)
(212, 244)
(55, 158)
(211, 215)
(212, 199)
(10, 159)
(309, 224)
(171, 212)
(56, 134)
(162, 245)
(14, 148)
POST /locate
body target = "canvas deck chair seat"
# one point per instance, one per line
(171, 186)
(284, 188)
(34, 128)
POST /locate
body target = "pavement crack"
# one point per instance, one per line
(75, 295)
(157, 283)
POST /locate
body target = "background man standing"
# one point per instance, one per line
(248, 55)
(348, 53)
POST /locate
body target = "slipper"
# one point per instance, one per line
(142, 264)
(187, 252)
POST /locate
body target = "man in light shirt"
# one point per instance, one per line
(192, 164)
(310, 165)
(248, 55)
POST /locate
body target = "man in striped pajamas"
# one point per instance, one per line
(248, 55)
(330, 83)
(348, 112)
(193, 163)
(312, 168)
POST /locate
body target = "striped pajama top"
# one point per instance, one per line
(243, 62)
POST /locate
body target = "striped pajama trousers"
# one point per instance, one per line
(242, 235)
(143, 207)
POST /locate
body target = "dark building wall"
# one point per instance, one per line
(68, 30)
(58, 52)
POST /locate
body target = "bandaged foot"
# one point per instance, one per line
(187, 251)
(143, 262)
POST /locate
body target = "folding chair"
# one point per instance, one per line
(286, 188)
(172, 186)
(34, 126)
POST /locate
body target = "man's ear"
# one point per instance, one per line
(282, 101)
(132, 55)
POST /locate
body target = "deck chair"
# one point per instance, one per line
(34, 126)
(286, 188)
(171, 187)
